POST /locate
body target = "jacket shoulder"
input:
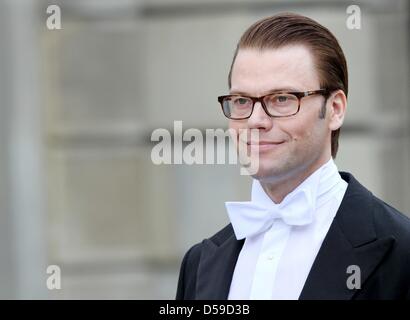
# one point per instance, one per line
(362, 206)
(390, 221)
(190, 263)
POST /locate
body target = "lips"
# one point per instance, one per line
(261, 143)
(264, 146)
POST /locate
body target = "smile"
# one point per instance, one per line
(265, 145)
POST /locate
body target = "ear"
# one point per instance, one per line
(337, 109)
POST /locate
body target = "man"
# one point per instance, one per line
(309, 232)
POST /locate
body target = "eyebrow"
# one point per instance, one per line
(284, 89)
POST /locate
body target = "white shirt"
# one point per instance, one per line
(275, 264)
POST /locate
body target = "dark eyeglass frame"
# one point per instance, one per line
(299, 95)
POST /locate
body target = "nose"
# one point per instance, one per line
(259, 118)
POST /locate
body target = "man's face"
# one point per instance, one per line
(292, 144)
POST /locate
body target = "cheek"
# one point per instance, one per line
(297, 131)
(303, 134)
(236, 125)
(235, 128)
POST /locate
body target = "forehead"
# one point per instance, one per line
(257, 71)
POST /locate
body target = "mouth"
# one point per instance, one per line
(262, 146)
(261, 143)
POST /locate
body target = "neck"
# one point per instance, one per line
(279, 188)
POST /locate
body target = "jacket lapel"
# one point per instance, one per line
(217, 264)
(351, 240)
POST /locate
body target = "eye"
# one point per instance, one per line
(281, 98)
(241, 101)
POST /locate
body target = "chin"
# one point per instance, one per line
(267, 171)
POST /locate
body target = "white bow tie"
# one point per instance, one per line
(251, 218)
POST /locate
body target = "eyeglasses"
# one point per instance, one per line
(277, 105)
